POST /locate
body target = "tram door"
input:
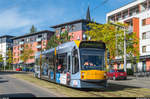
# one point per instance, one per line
(75, 62)
(69, 68)
(69, 62)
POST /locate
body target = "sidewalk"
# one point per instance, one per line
(133, 81)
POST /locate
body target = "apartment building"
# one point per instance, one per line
(37, 42)
(5, 43)
(76, 29)
(137, 15)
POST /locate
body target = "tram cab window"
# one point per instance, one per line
(62, 63)
(92, 62)
(75, 62)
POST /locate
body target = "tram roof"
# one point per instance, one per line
(63, 46)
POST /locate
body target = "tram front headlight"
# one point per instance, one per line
(82, 75)
(105, 75)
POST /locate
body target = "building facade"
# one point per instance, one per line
(5, 43)
(36, 41)
(137, 15)
(76, 29)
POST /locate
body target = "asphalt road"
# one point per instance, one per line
(11, 87)
(142, 82)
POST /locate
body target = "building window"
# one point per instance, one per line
(31, 45)
(144, 35)
(72, 27)
(72, 34)
(143, 49)
(44, 43)
(144, 22)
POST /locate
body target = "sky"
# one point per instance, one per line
(17, 16)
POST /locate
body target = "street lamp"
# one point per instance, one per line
(125, 57)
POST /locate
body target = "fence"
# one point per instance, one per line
(142, 75)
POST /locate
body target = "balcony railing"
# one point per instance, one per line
(38, 46)
(39, 39)
(21, 43)
(20, 61)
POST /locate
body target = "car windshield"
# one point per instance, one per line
(92, 62)
(120, 70)
(111, 71)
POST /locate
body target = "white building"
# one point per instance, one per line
(137, 15)
(5, 44)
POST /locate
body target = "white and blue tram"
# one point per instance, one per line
(78, 64)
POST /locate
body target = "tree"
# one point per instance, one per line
(1, 60)
(9, 57)
(56, 40)
(114, 40)
(33, 29)
(27, 53)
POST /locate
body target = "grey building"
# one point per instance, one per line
(5, 43)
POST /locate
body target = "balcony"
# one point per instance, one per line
(38, 46)
(22, 42)
(130, 29)
(39, 39)
(21, 49)
(20, 61)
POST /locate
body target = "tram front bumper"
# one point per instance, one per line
(93, 83)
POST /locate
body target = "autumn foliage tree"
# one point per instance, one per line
(57, 40)
(9, 57)
(1, 60)
(114, 40)
(27, 53)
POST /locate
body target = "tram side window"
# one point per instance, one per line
(75, 62)
(50, 62)
(62, 63)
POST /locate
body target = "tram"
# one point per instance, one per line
(77, 64)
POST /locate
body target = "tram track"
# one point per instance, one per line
(112, 91)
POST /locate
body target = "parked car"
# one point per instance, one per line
(31, 69)
(115, 74)
(25, 69)
(18, 69)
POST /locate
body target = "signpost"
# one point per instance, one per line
(125, 63)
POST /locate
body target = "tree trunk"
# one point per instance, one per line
(106, 64)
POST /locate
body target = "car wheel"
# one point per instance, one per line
(114, 78)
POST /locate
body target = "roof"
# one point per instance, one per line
(72, 22)
(10, 36)
(123, 6)
(30, 34)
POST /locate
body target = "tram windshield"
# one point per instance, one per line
(92, 62)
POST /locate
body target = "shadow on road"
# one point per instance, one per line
(3, 81)
(17, 95)
(12, 72)
(111, 88)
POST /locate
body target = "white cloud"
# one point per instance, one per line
(12, 19)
